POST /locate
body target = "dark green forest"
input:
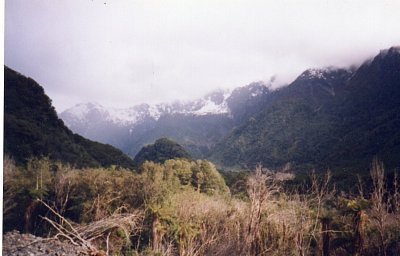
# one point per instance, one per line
(32, 129)
(340, 121)
(162, 150)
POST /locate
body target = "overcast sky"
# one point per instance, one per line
(121, 53)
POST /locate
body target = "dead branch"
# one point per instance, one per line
(83, 235)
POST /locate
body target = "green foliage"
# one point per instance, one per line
(236, 181)
(207, 179)
(22, 187)
(40, 176)
(181, 169)
(177, 174)
(162, 150)
(106, 155)
(357, 204)
(98, 193)
(32, 129)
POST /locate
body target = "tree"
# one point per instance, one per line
(162, 150)
(207, 179)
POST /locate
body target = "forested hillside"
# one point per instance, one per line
(163, 149)
(327, 118)
(32, 129)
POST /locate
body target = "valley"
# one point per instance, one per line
(201, 128)
(237, 173)
(327, 118)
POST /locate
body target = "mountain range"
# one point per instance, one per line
(196, 124)
(327, 118)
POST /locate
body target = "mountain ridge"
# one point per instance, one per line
(308, 123)
(145, 123)
(309, 128)
(214, 103)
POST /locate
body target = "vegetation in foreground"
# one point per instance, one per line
(183, 207)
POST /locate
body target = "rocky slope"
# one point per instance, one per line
(16, 244)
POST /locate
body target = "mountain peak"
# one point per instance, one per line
(318, 73)
(390, 51)
(81, 110)
(213, 103)
(389, 56)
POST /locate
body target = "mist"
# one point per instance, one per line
(122, 53)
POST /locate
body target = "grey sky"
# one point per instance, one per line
(121, 53)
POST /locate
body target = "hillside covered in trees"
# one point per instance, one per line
(32, 129)
(162, 150)
(329, 118)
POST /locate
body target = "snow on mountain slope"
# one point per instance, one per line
(212, 104)
(89, 112)
(319, 73)
(211, 108)
(81, 110)
(96, 121)
(196, 123)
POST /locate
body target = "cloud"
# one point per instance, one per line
(126, 52)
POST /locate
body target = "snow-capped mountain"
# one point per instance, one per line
(212, 104)
(327, 73)
(85, 113)
(131, 128)
(218, 102)
(198, 124)
(321, 83)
